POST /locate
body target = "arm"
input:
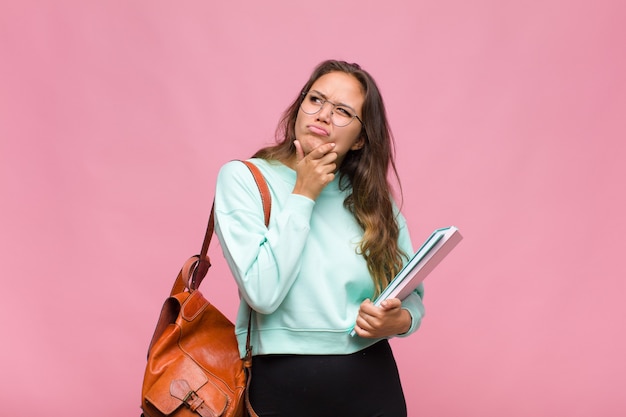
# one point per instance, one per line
(264, 262)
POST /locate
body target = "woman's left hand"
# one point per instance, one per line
(389, 319)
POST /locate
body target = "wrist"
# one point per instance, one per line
(407, 321)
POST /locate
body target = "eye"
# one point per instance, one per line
(315, 99)
(344, 112)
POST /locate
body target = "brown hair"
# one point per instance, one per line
(365, 170)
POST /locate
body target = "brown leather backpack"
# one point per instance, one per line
(194, 368)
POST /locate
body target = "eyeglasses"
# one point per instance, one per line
(340, 115)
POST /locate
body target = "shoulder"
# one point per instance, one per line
(234, 177)
(235, 174)
(236, 171)
(232, 168)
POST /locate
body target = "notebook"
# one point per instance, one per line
(427, 257)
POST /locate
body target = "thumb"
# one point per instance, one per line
(299, 151)
(391, 303)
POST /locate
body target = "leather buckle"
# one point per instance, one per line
(181, 389)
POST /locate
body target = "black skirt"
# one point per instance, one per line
(362, 384)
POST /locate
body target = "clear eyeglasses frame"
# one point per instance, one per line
(340, 115)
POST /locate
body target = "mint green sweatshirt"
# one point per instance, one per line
(302, 276)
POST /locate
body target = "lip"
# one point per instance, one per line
(317, 130)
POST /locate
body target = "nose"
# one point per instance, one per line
(325, 112)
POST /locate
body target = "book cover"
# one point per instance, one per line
(427, 257)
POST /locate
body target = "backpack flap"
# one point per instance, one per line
(185, 383)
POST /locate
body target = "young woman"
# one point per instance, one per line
(334, 241)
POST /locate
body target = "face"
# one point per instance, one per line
(313, 130)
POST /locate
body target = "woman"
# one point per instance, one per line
(334, 241)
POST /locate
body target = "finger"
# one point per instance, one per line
(299, 151)
(391, 303)
(322, 150)
(366, 306)
(370, 309)
(362, 322)
(365, 329)
(369, 317)
(362, 332)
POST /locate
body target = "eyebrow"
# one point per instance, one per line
(325, 97)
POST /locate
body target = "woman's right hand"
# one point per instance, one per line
(315, 170)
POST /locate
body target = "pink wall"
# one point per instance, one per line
(509, 120)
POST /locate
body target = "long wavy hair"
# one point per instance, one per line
(364, 170)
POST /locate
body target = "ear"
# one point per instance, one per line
(358, 144)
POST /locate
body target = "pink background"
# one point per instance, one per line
(509, 120)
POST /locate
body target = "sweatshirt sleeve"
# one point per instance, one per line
(413, 303)
(264, 261)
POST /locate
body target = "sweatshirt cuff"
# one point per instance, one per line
(413, 304)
